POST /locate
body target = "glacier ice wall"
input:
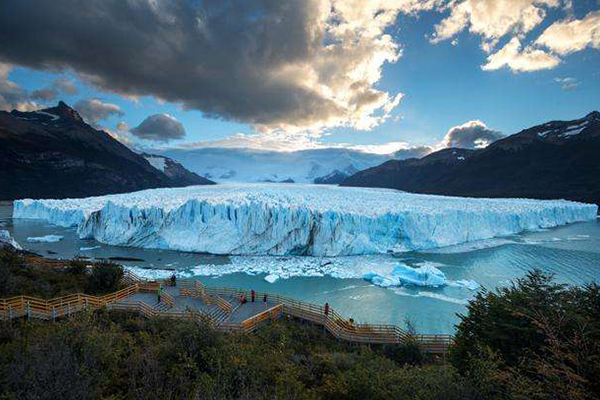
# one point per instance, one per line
(271, 219)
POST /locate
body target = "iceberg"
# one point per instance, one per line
(403, 275)
(44, 239)
(271, 278)
(303, 220)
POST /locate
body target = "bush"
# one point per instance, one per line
(538, 339)
(77, 267)
(105, 278)
(8, 262)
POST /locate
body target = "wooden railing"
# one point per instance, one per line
(252, 323)
(222, 304)
(167, 299)
(33, 307)
(339, 326)
(193, 288)
(333, 322)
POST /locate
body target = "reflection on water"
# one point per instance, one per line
(572, 253)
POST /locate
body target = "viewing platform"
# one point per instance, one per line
(220, 307)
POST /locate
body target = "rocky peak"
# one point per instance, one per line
(593, 116)
(64, 110)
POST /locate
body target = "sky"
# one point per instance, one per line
(372, 75)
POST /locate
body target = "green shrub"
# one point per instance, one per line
(104, 278)
(542, 338)
(77, 267)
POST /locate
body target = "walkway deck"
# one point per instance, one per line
(219, 306)
(182, 303)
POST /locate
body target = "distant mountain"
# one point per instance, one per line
(175, 170)
(53, 153)
(247, 165)
(336, 177)
(559, 159)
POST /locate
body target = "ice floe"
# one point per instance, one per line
(44, 239)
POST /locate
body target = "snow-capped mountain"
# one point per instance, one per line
(247, 165)
(53, 153)
(559, 159)
(175, 170)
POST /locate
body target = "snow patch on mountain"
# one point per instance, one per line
(157, 162)
(280, 219)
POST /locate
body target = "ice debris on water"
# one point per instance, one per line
(45, 239)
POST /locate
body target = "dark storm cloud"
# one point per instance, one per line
(46, 94)
(216, 56)
(66, 86)
(160, 128)
(473, 134)
(94, 110)
(413, 152)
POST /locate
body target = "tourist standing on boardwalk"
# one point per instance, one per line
(326, 309)
(159, 292)
(253, 293)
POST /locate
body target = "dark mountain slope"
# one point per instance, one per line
(175, 170)
(559, 159)
(53, 153)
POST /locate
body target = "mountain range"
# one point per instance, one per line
(250, 165)
(559, 159)
(53, 153)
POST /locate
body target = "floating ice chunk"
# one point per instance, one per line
(89, 248)
(272, 219)
(385, 281)
(7, 240)
(44, 239)
(271, 278)
(466, 283)
(426, 275)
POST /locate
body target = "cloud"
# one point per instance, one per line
(123, 126)
(66, 86)
(571, 35)
(284, 64)
(567, 83)
(160, 128)
(492, 19)
(12, 96)
(520, 60)
(94, 110)
(413, 152)
(46, 94)
(470, 135)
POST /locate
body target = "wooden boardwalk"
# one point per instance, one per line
(220, 307)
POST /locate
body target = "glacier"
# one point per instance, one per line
(306, 220)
